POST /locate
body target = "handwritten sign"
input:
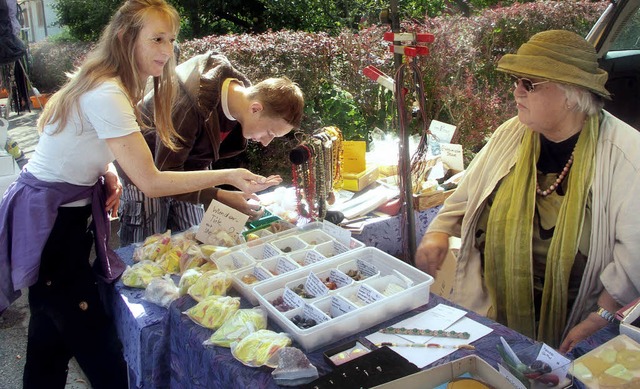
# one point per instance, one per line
(220, 217)
(451, 155)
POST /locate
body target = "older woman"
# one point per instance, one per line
(547, 210)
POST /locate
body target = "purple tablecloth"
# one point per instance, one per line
(163, 348)
(385, 233)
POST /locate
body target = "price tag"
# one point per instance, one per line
(269, 251)
(340, 278)
(340, 234)
(368, 294)
(283, 266)
(315, 286)
(340, 306)
(312, 312)
(367, 269)
(312, 256)
(559, 364)
(220, 217)
(260, 273)
(291, 298)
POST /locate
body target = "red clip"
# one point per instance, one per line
(378, 76)
(410, 51)
(408, 36)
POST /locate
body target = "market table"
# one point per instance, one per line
(163, 347)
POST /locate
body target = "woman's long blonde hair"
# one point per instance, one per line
(114, 57)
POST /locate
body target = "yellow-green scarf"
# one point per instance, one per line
(508, 250)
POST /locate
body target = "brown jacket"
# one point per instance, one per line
(199, 119)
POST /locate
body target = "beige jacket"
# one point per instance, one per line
(614, 254)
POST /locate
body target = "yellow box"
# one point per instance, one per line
(356, 182)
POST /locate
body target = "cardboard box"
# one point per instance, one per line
(356, 182)
(431, 378)
(627, 328)
(430, 199)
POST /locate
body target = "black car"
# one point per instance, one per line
(616, 37)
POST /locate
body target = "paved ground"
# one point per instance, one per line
(15, 320)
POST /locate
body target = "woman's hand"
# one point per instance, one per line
(248, 182)
(581, 331)
(432, 251)
(114, 190)
(239, 201)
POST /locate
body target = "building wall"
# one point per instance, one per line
(39, 19)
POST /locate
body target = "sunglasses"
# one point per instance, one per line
(528, 85)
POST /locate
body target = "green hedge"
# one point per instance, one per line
(461, 85)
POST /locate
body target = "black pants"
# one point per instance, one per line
(68, 318)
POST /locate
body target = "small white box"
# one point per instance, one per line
(439, 375)
(627, 328)
(378, 308)
(8, 166)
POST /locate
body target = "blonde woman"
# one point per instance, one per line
(70, 184)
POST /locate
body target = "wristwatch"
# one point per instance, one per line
(608, 316)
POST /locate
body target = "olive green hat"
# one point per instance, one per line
(558, 56)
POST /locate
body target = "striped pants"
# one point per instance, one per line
(141, 216)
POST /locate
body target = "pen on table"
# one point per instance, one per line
(427, 345)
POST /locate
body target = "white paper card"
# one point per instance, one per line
(443, 132)
(440, 317)
(340, 234)
(451, 155)
(220, 217)
(559, 363)
(315, 286)
(291, 298)
(340, 306)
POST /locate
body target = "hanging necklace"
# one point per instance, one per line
(558, 181)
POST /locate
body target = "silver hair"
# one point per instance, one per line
(581, 99)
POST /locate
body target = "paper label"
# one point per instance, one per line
(261, 274)
(442, 132)
(315, 286)
(340, 307)
(291, 298)
(220, 217)
(312, 312)
(269, 251)
(238, 261)
(312, 256)
(366, 268)
(283, 266)
(340, 234)
(451, 155)
(353, 156)
(368, 294)
(559, 364)
(340, 278)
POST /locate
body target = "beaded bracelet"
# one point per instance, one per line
(608, 316)
(421, 332)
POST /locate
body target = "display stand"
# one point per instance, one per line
(406, 45)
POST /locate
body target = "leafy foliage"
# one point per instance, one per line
(461, 85)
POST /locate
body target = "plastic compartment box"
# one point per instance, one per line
(354, 319)
(297, 247)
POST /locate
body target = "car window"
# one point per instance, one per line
(629, 37)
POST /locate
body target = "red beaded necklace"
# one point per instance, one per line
(558, 181)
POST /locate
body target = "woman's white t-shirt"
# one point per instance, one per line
(78, 153)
